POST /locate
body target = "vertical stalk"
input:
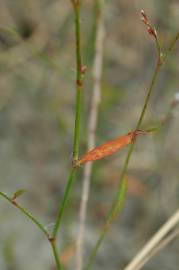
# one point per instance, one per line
(111, 217)
(79, 84)
(138, 125)
(55, 253)
(64, 203)
(76, 140)
(114, 208)
(76, 5)
(93, 116)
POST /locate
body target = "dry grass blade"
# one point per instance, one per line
(166, 241)
(153, 243)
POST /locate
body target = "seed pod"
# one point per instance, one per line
(109, 147)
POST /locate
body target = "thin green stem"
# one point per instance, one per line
(56, 254)
(171, 47)
(131, 148)
(118, 207)
(26, 213)
(38, 224)
(114, 209)
(158, 46)
(77, 126)
(64, 203)
(79, 83)
(79, 80)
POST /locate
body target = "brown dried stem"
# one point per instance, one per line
(95, 100)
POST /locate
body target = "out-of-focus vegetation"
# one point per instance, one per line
(37, 99)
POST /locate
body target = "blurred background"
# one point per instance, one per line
(37, 105)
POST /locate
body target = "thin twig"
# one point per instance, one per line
(95, 100)
(153, 242)
(56, 253)
(172, 45)
(63, 203)
(114, 209)
(38, 224)
(26, 213)
(166, 241)
(79, 85)
(79, 79)
(118, 207)
(79, 82)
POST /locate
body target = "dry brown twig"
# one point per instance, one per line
(156, 243)
(95, 100)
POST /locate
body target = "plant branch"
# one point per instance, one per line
(172, 45)
(64, 203)
(26, 213)
(114, 209)
(37, 223)
(79, 83)
(111, 217)
(93, 115)
(79, 80)
(55, 253)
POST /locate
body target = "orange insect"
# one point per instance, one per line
(109, 147)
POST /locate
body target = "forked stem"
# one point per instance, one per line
(36, 222)
(26, 213)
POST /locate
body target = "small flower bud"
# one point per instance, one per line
(144, 17)
(152, 31)
(83, 69)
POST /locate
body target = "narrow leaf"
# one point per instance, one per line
(18, 193)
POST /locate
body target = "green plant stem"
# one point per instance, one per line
(114, 209)
(131, 148)
(79, 83)
(64, 203)
(111, 217)
(38, 224)
(26, 213)
(56, 254)
(79, 80)
(172, 45)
